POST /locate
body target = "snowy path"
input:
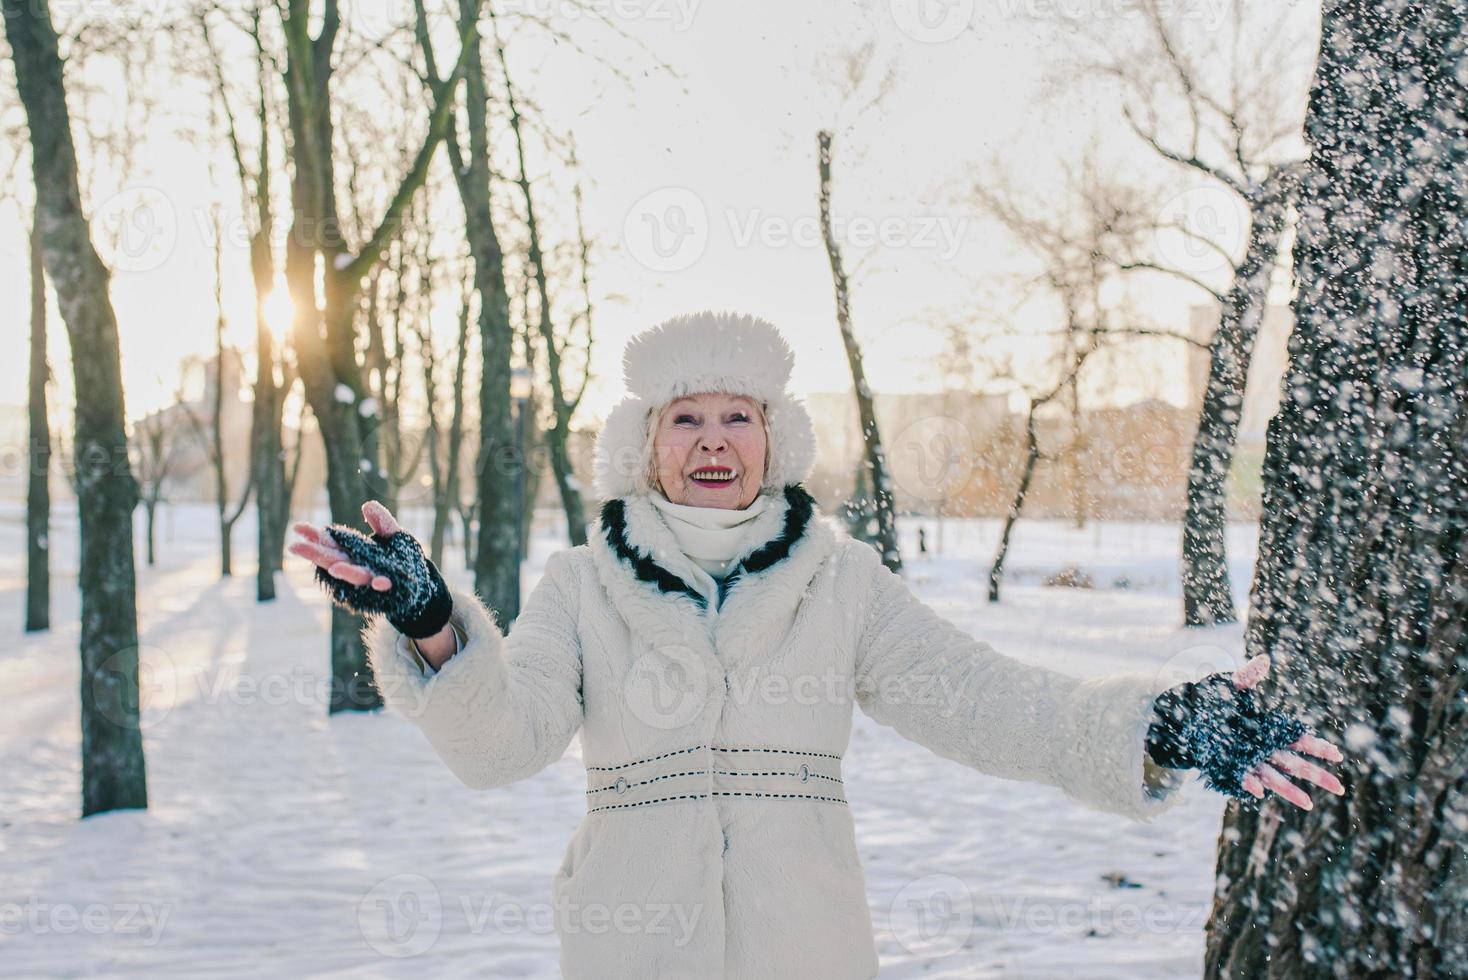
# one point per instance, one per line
(275, 836)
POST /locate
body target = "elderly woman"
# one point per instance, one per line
(710, 641)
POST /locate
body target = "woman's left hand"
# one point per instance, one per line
(1220, 727)
(1272, 775)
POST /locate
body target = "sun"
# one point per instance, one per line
(279, 310)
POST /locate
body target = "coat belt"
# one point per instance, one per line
(700, 771)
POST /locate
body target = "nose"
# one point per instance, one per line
(712, 441)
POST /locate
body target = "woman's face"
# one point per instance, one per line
(709, 449)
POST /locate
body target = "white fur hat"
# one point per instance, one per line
(699, 352)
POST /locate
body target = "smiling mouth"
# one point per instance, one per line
(713, 477)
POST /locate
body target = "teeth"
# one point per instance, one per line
(713, 474)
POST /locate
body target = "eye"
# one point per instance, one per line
(684, 418)
(739, 417)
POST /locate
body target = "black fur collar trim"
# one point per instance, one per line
(777, 549)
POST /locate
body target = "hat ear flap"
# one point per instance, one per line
(623, 455)
(792, 448)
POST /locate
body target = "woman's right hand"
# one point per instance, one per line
(384, 574)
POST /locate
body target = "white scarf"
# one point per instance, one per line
(711, 536)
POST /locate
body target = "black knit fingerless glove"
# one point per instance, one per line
(1211, 726)
(418, 604)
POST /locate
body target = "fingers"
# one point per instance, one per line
(1275, 780)
(1309, 771)
(380, 519)
(1252, 672)
(1318, 747)
(311, 532)
(321, 554)
(358, 575)
(1254, 786)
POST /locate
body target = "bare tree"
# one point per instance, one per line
(267, 460)
(1221, 110)
(563, 406)
(885, 514)
(212, 439)
(155, 441)
(1072, 248)
(113, 769)
(445, 449)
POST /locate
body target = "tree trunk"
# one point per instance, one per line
(876, 458)
(325, 336)
(38, 487)
(113, 771)
(1016, 506)
(150, 506)
(498, 465)
(1207, 596)
(561, 409)
(1361, 591)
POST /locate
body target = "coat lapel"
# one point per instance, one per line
(651, 580)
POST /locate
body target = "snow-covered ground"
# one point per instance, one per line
(281, 842)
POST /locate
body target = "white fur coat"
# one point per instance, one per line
(718, 842)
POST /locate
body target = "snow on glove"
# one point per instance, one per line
(1224, 732)
(418, 605)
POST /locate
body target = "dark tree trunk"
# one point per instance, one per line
(1207, 595)
(113, 772)
(1361, 590)
(876, 458)
(325, 336)
(496, 559)
(38, 487)
(150, 508)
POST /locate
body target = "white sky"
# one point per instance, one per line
(722, 147)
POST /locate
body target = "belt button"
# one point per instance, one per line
(804, 773)
(620, 785)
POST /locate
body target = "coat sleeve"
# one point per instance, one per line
(503, 707)
(938, 686)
